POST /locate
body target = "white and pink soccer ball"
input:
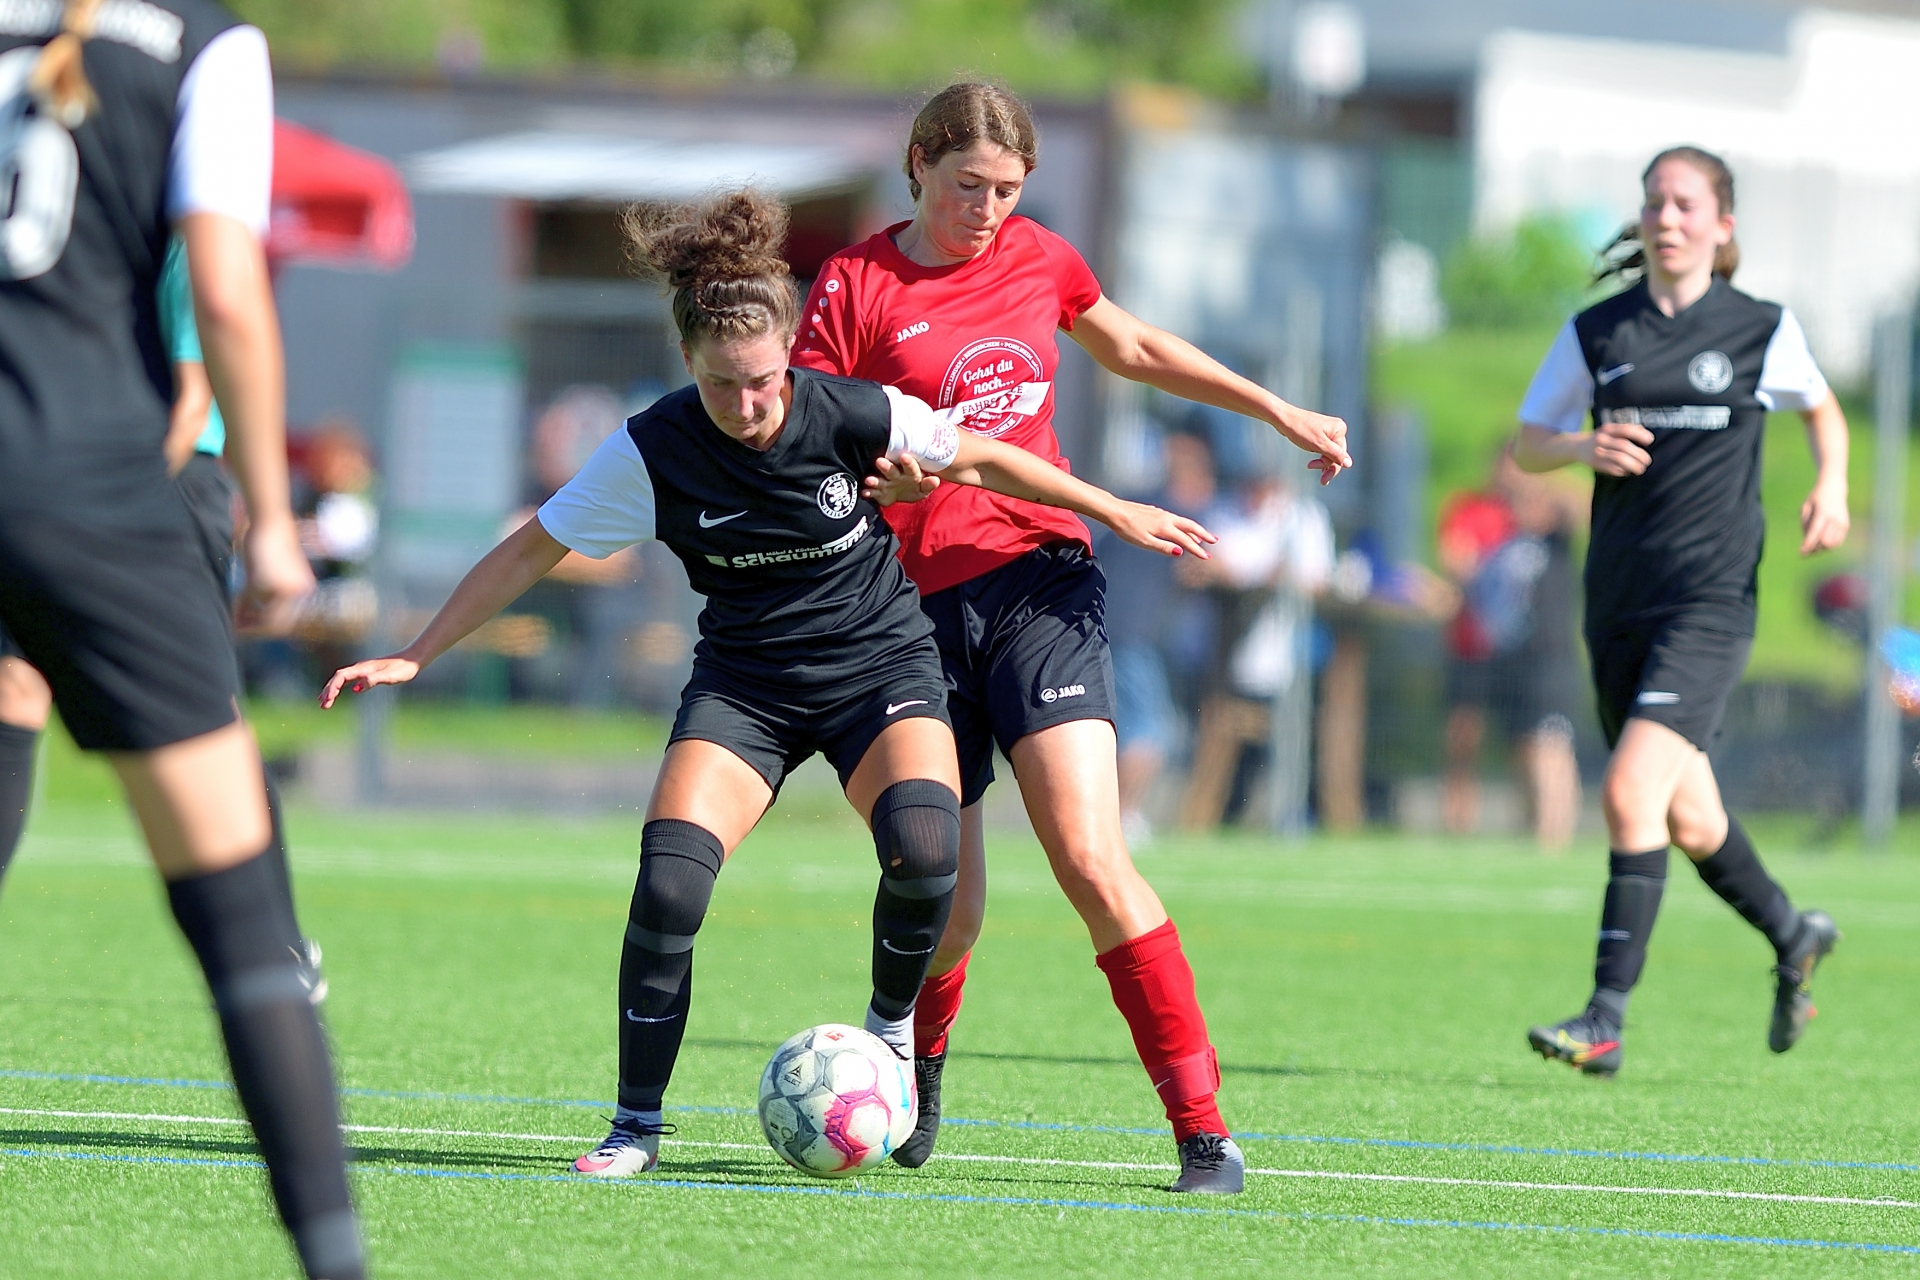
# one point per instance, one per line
(835, 1100)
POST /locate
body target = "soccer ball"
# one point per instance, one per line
(835, 1100)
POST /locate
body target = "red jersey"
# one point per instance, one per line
(975, 341)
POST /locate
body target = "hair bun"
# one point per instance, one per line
(723, 258)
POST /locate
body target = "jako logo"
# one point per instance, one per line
(1064, 691)
(912, 331)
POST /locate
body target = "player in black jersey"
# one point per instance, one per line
(812, 638)
(124, 123)
(1679, 372)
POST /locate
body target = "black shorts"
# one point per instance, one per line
(774, 730)
(1674, 671)
(126, 625)
(208, 493)
(1025, 648)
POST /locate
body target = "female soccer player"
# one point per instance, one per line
(103, 586)
(1679, 372)
(959, 307)
(812, 639)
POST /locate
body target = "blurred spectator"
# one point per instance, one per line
(1143, 599)
(1275, 555)
(1511, 652)
(585, 608)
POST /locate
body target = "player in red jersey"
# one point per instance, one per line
(959, 307)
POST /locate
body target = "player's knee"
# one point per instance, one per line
(1623, 798)
(679, 863)
(25, 699)
(916, 833)
(1698, 831)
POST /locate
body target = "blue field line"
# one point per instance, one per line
(1019, 1202)
(1402, 1144)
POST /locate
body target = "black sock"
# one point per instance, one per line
(1634, 885)
(679, 863)
(240, 925)
(16, 785)
(916, 832)
(1735, 873)
(276, 854)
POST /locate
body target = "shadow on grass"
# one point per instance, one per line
(242, 1149)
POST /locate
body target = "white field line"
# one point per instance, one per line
(1326, 1175)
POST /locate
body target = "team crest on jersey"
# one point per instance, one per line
(1710, 372)
(837, 496)
(993, 386)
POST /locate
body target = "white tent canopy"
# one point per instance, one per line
(563, 165)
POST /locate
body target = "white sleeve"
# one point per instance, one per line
(1562, 388)
(918, 430)
(223, 132)
(607, 506)
(1789, 379)
(1310, 553)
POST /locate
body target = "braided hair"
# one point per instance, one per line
(721, 257)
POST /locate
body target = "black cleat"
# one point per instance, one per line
(1588, 1042)
(1793, 992)
(1211, 1165)
(915, 1151)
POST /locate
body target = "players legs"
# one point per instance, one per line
(1659, 789)
(25, 702)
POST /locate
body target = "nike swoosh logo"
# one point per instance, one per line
(889, 946)
(902, 706)
(1618, 371)
(632, 1017)
(708, 524)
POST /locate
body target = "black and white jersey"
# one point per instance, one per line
(183, 124)
(800, 574)
(1687, 533)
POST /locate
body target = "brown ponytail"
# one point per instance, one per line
(962, 114)
(1625, 258)
(58, 81)
(722, 259)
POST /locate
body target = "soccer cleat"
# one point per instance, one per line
(914, 1152)
(1587, 1041)
(1793, 992)
(1211, 1165)
(307, 957)
(630, 1148)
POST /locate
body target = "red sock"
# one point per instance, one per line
(1153, 989)
(936, 1008)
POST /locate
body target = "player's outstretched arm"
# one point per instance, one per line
(1005, 468)
(1124, 344)
(240, 337)
(528, 555)
(1823, 516)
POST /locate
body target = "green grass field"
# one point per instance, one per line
(1368, 998)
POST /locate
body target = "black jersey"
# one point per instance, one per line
(84, 379)
(802, 582)
(1687, 533)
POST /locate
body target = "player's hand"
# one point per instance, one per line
(1619, 449)
(1322, 434)
(362, 676)
(1155, 530)
(279, 580)
(901, 481)
(1823, 518)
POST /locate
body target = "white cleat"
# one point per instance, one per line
(1211, 1164)
(628, 1150)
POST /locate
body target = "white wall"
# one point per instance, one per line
(1824, 144)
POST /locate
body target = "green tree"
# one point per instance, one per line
(1536, 273)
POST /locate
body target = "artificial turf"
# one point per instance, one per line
(1368, 998)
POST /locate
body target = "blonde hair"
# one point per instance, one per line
(58, 81)
(722, 258)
